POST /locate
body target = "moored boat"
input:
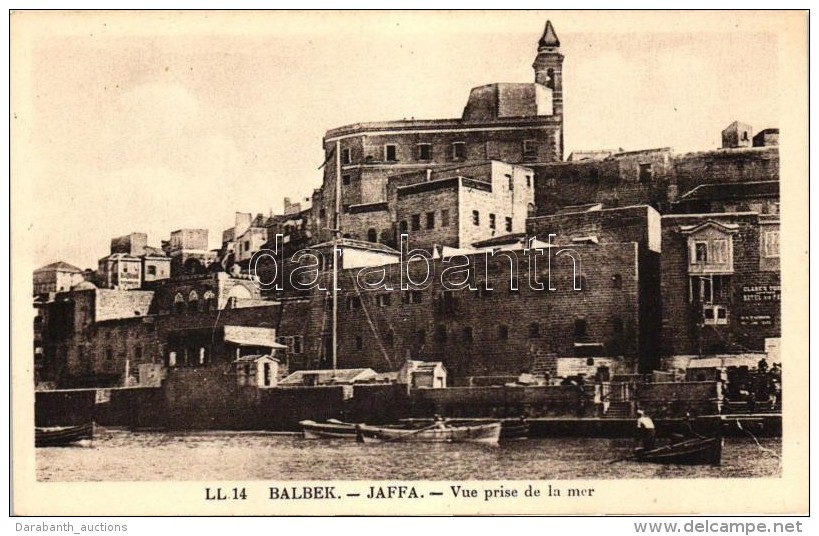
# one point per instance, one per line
(328, 429)
(697, 451)
(63, 435)
(481, 433)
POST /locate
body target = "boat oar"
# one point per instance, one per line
(404, 436)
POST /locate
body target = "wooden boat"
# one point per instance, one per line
(697, 451)
(510, 429)
(480, 433)
(329, 429)
(63, 436)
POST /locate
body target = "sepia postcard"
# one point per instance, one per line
(409, 262)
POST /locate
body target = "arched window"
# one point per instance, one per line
(193, 301)
(550, 73)
(372, 235)
(210, 300)
(179, 303)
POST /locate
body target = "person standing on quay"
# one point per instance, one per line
(645, 430)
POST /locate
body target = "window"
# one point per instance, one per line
(719, 251)
(345, 180)
(430, 220)
(445, 218)
(247, 245)
(710, 289)
(345, 156)
(476, 217)
(530, 149)
(298, 344)
(714, 315)
(770, 244)
(440, 333)
(528, 181)
(179, 303)
(382, 300)
(402, 226)
(322, 213)
(534, 330)
(645, 173)
(412, 296)
(193, 301)
(700, 253)
(372, 235)
(617, 281)
(138, 353)
(467, 334)
(359, 342)
(503, 332)
(389, 338)
(491, 221)
(353, 302)
(210, 300)
(459, 150)
(580, 327)
(390, 153)
(424, 151)
(151, 270)
(416, 222)
(109, 354)
(449, 302)
(511, 182)
(508, 225)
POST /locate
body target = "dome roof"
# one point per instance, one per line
(85, 285)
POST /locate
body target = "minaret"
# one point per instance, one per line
(548, 66)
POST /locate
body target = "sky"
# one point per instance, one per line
(153, 122)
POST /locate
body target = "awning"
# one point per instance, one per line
(248, 336)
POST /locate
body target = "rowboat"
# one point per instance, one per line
(63, 436)
(329, 429)
(481, 433)
(510, 428)
(697, 451)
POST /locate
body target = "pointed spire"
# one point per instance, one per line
(549, 38)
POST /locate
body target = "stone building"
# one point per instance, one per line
(120, 271)
(70, 323)
(188, 294)
(656, 177)
(720, 282)
(119, 267)
(499, 325)
(518, 123)
(189, 253)
(56, 277)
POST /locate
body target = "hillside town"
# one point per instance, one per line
(657, 287)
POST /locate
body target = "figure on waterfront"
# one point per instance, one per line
(645, 430)
(440, 422)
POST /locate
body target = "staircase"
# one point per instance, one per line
(619, 410)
